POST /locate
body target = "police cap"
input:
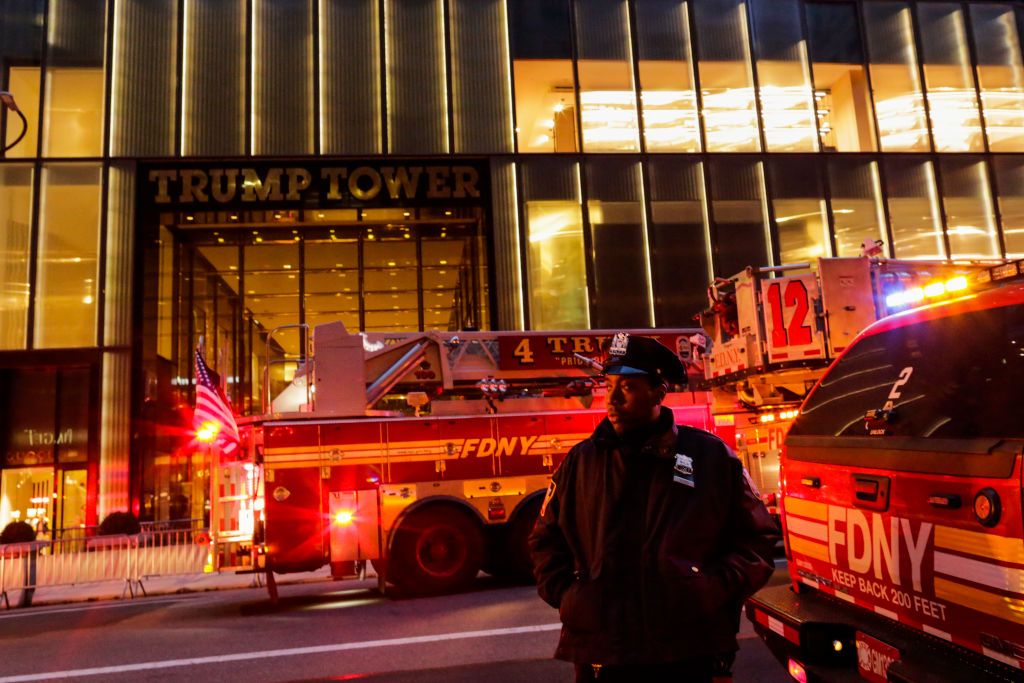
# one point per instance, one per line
(636, 355)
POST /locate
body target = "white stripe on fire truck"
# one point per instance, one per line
(887, 613)
(804, 527)
(937, 632)
(999, 656)
(845, 596)
(976, 543)
(986, 573)
(999, 606)
(810, 582)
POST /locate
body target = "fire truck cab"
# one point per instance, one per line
(901, 497)
(425, 454)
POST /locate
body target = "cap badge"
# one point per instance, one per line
(619, 343)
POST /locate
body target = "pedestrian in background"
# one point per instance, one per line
(651, 535)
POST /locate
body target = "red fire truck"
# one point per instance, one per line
(902, 494)
(426, 454)
(773, 332)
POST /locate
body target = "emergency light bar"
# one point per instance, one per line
(930, 291)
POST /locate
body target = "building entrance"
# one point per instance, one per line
(246, 258)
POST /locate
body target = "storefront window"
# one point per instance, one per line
(913, 209)
(618, 235)
(856, 205)
(841, 94)
(1000, 75)
(787, 103)
(26, 495)
(416, 88)
(480, 76)
(542, 73)
(680, 245)
(557, 276)
(952, 100)
(15, 233)
(738, 209)
(68, 268)
(801, 220)
(73, 112)
(899, 102)
(726, 76)
(1009, 171)
(605, 67)
(214, 78)
(970, 214)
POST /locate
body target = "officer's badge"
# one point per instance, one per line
(619, 343)
(682, 471)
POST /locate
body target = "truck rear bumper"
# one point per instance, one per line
(820, 634)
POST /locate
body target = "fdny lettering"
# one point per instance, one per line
(486, 447)
(875, 548)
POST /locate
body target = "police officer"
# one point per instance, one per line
(651, 535)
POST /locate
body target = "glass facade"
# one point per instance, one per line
(627, 150)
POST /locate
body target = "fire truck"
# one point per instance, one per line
(773, 332)
(424, 454)
(902, 497)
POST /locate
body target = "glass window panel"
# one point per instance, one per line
(856, 205)
(605, 68)
(21, 53)
(214, 78)
(618, 237)
(144, 78)
(913, 209)
(481, 97)
(1009, 171)
(899, 103)
(952, 100)
(739, 215)
(75, 82)
(787, 103)
(417, 92)
(23, 83)
(350, 117)
(282, 88)
(557, 275)
(842, 98)
(15, 234)
(666, 76)
(680, 249)
(540, 35)
(1000, 75)
(68, 267)
(801, 220)
(271, 293)
(970, 214)
(726, 76)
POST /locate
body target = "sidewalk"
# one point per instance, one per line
(162, 585)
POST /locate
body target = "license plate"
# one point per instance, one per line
(874, 658)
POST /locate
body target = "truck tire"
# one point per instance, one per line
(511, 553)
(435, 550)
(520, 562)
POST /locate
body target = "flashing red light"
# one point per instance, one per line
(208, 431)
(797, 671)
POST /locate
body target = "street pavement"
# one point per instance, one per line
(495, 632)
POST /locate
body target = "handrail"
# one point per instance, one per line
(266, 402)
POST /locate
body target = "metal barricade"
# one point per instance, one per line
(72, 561)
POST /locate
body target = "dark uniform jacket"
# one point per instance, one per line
(643, 567)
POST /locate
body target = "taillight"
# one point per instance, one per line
(344, 517)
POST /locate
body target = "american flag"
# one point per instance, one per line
(213, 420)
